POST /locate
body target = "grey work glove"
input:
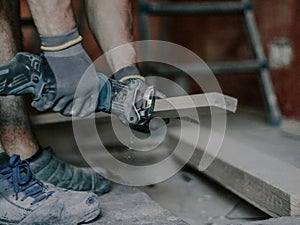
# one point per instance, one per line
(68, 62)
(127, 76)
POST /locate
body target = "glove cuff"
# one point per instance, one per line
(130, 72)
(122, 80)
(60, 42)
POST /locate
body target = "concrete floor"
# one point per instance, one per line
(125, 205)
(219, 206)
(190, 195)
(200, 201)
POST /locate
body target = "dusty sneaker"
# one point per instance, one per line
(26, 200)
(48, 168)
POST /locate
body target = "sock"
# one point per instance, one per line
(36, 155)
(4, 158)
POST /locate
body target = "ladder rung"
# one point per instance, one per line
(192, 8)
(244, 66)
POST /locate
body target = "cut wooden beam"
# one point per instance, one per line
(185, 105)
(164, 108)
(264, 181)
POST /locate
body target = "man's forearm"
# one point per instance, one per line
(111, 23)
(54, 17)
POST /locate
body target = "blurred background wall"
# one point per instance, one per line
(216, 38)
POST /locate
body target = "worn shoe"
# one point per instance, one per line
(48, 168)
(26, 200)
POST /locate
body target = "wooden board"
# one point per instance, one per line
(264, 181)
(164, 108)
(184, 105)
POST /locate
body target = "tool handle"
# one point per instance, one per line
(22, 75)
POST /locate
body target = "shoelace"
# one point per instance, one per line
(21, 179)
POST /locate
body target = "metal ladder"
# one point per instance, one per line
(244, 8)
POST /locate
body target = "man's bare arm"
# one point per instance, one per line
(111, 23)
(52, 17)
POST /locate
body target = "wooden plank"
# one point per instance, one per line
(164, 108)
(264, 181)
(184, 105)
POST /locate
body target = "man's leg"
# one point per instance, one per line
(52, 18)
(15, 132)
(36, 204)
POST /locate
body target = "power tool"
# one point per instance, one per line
(132, 101)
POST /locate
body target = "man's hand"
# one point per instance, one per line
(129, 76)
(69, 63)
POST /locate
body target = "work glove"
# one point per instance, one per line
(68, 62)
(127, 76)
